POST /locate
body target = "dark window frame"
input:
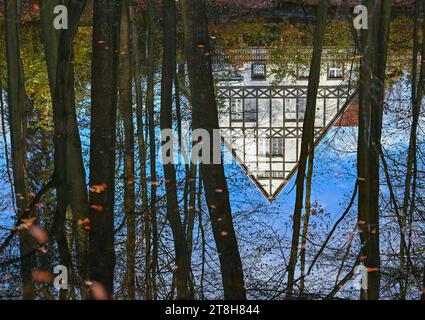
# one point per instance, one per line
(258, 77)
(329, 69)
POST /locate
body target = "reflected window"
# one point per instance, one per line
(250, 110)
(263, 147)
(270, 147)
(277, 147)
(301, 106)
(303, 72)
(236, 109)
(290, 109)
(335, 70)
(258, 71)
(277, 174)
(271, 174)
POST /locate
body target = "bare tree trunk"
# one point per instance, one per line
(191, 209)
(307, 143)
(51, 38)
(377, 110)
(372, 94)
(173, 212)
(69, 175)
(17, 125)
(140, 111)
(205, 116)
(126, 108)
(409, 194)
(306, 220)
(363, 138)
(103, 140)
(152, 263)
(203, 239)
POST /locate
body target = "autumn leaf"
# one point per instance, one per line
(42, 250)
(42, 276)
(98, 188)
(38, 234)
(98, 291)
(26, 224)
(96, 207)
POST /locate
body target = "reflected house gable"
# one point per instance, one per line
(261, 121)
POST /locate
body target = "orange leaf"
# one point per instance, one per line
(26, 224)
(96, 207)
(42, 276)
(97, 290)
(38, 234)
(43, 250)
(98, 188)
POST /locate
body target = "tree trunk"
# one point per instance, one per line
(205, 116)
(409, 195)
(126, 108)
(306, 220)
(51, 38)
(17, 125)
(173, 212)
(307, 143)
(69, 174)
(152, 263)
(103, 140)
(372, 94)
(140, 111)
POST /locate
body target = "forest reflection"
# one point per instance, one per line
(261, 68)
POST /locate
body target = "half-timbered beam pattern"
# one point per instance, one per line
(262, 127)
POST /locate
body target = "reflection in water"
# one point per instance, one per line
(261, 69)
(262, 119)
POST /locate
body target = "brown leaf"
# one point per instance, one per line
(99, 188)
(96, 207)
(26, 224)
(98, 291)
(42, 276)
(38, 234)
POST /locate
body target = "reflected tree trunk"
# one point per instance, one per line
(136, 63)
(173, 212)
(51, 38)
(103, 141)
(307, 143)
(204, 114)
(372, 94)
(152, 232)
(126, 109)
(17, 125)
(306, 220)
(411, 172)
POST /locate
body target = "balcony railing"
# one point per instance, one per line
(240, 55)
